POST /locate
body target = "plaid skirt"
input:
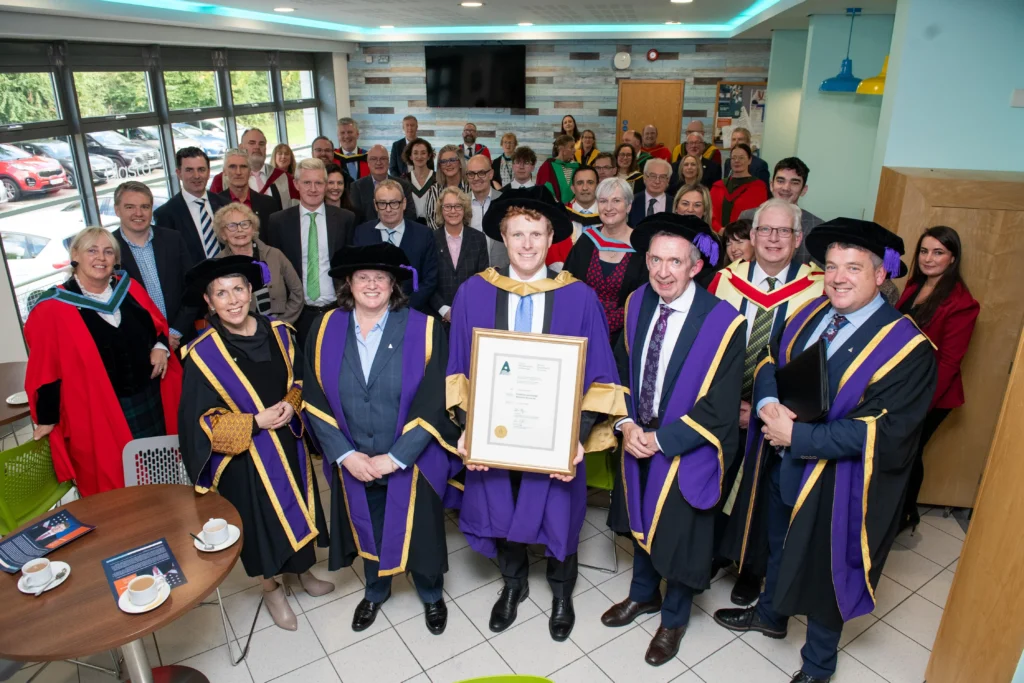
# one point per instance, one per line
(144, 412)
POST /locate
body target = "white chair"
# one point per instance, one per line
(157, 460)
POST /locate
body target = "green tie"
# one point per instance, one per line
(759, 335)
(313, 261)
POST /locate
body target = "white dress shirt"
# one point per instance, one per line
(193, 208)
(516, 185)
(537, 326)
(396, 239)
(327, 293)
(760, 280)
(659, 202)
(680, 309)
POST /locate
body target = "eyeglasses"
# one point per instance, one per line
(388, 205)
(451, 207)
(661, 177)
(474, 175)
(603, 167)
(448, 162)
(765, 231)
(364, 279)
(240, 225)
(377, 160)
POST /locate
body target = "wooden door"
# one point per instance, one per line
(658, 103)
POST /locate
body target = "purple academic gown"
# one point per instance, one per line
(547, 511)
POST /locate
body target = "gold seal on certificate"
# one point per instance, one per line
(525, 393)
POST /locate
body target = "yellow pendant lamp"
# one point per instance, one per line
(876, 84)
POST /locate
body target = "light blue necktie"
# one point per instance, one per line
(524, 314)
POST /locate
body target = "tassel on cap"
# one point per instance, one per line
(891, 262)
(708, 247)
(415, 278)
(264, 270)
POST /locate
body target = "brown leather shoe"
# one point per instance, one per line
(664, 645)
(627, 611)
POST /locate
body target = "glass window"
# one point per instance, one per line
(191, 89)
(265, 122)
(208, 135)
(109, 93)
(297, 85)
(27, 98)
(302, 128)
(40, 208)
(250, 87)
(135, 152)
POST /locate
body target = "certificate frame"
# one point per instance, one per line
(552, 449)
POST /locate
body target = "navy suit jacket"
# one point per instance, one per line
(639, 210)
(421, 250)
(175, 215)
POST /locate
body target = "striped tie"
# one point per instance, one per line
(759, 335)
(210, 245)
(313, 260)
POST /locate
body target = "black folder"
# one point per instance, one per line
(803, 383)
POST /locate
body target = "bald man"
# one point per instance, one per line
(650, 144)
(378, 160)
(711, 153)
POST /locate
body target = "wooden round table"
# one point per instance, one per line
(80, 617)
(12, 380)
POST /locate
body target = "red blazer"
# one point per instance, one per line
(950, 329)
(747, 196)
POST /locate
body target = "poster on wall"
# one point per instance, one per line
(740, 105)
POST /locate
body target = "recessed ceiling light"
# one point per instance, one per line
(284, 9)
(672, 22)
(472, 4)
(526, 23)
(680, 2)
(387, 26)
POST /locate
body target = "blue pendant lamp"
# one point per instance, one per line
(844, 81)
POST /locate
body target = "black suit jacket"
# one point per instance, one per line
(366, 210)
(398, 167)
(263, 206)
(285, 233)
(172, 262)
(639, 209)
(472, 260)
(419, 246)
(175, 215)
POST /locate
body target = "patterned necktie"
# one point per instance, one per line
(313, 260)
(524, 314)
(650, 379)
(391, 235)
(759, 335)
(210, 245)
(650, 207)
(832, 329)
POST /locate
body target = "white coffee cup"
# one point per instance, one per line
(215, 531)
(143, 590)
(37, 572)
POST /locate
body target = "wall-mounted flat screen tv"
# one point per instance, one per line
(488, 76)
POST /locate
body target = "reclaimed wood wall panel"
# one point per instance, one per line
(562, 77)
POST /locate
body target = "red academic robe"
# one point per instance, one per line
(87, 442)
(659, 151)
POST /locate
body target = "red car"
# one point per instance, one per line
(22, 173)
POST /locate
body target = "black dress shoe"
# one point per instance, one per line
(665, 645)
(507, 607)
(366, 613)
(746, 619)
(627, 611)
(746, 589)
(801, 677)
(436, 615)
(563, 618)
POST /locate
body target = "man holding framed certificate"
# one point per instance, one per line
(530, 398)
(682, 356)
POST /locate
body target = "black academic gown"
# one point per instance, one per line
(266, 551)
(684, 542)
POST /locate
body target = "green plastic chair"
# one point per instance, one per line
(507, 678)
(28, 484)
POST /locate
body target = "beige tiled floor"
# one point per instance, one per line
(890, 646)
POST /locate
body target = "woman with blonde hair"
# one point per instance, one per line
(695, 200)
(691, 172)
(450, 173)
(281, 296)
(462, 252)
(586, 148)
(100, 372)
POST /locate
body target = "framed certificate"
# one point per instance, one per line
(525, 393)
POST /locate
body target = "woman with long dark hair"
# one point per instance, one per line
(586, 148)
(570, 128)
(938, 300)
(626, 164)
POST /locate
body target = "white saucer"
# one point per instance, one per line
(57, 567)
(18, 399)
(234, 533)
(126, 605)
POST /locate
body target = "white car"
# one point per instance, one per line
(4, 197)
(37, 256)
